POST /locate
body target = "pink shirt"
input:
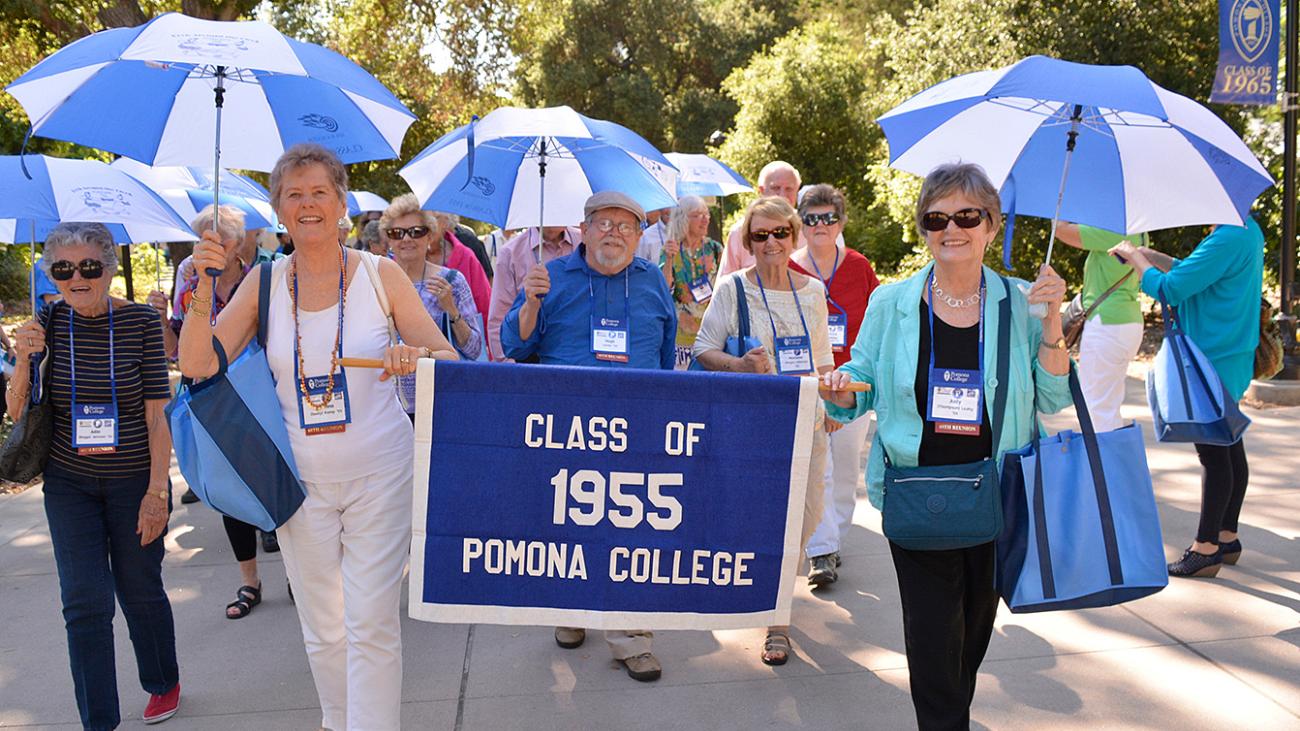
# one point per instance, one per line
(462, 259)
(514, 260)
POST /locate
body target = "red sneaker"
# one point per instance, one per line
(163, 706)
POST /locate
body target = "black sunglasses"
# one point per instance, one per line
(63, 269)
(415, 232)
(829, 218)
(965, 218)
(780, 232)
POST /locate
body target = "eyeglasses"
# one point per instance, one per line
(605, 225)
(699, 215)
(965, 218)
(63, 269)
(780, 232)
(415, 232)
(829, 218)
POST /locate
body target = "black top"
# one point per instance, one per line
(141, 374)
(466, 236)
(955, 347)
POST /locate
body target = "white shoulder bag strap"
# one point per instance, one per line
(367, 260)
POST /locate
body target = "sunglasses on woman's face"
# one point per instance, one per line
(965, 218)
(829, 218)
(780, 232)
(415, 232)
(63, 269)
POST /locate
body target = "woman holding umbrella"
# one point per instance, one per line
(689, 262)
(345, 548)
(916, 332)
(107, 494)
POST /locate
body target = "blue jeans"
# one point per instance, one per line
(92, 526)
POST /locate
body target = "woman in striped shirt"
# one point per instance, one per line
(107, 494)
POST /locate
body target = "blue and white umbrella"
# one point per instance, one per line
(702, 175)
(26, 231)
(361, 201)
(518, 168)
(189, 189)
(1100, 145)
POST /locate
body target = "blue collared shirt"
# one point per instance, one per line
(563, 332)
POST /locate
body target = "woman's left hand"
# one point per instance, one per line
(1048, 289)
(441, 289)
(400, 360)
(154, 512)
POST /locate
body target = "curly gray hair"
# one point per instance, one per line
(302, 155)
(81, 234)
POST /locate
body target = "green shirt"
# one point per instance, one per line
(1101, 271)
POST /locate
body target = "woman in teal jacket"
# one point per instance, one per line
(1216, 291)
(948, 597)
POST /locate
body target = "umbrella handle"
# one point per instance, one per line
(219, 94)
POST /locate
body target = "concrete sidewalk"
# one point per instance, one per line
(1203, 654)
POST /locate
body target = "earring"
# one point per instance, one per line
(344, 221)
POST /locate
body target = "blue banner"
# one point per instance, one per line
(1248, 43)
(607, 498)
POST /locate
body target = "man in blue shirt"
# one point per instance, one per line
(599, 306)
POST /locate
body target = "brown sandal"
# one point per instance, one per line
(776, 648)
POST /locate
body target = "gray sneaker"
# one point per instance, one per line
(643, 667)
(822, 570)
(570, 637)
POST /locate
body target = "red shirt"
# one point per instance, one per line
(850, 288)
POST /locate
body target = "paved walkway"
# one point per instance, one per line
(1204, 654)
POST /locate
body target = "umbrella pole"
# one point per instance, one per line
(33, 272)
(157, 265)
(220, 97)
(541, 202)
(1040, 310)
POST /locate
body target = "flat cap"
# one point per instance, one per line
(613, 199)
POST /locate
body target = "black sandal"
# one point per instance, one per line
(246, 597)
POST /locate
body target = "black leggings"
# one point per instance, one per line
(243, 538)
(1223, 488)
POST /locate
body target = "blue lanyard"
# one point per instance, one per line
(296, 338)
(768, 307)
(827, 282)
(591, 292)
(112, 359)
(929, 285)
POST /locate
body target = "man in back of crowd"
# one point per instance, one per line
(778, 178)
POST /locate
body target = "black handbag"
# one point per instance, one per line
(25, 451)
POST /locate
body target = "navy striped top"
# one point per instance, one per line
(141, 370)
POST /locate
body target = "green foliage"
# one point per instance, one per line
(15, 284)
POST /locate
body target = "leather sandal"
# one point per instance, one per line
(776, 648)
(246, 597)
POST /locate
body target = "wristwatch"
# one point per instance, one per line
(1059, 344)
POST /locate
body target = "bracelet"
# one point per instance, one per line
(194, 297)
(198, 310)
(454, 320)
(162, 494)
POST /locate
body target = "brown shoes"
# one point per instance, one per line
(644, 667)
(570, 637)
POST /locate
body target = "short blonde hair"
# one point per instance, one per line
(965, 178)
(405, 205)
(304, 154)
(774, 207)
(230, 224)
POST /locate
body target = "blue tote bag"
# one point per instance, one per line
(230, 438)
(742, 343)
(1081, 528)
(1188, 401)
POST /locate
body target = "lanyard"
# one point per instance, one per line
(297, 336)
(768, 307)
(591, 291)
(929, 285)
(827, 282)
(112, 360)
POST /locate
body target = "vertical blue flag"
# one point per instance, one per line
(1248, 52)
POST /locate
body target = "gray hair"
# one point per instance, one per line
(230, 225)
(404, 205)
(965, 178)
(302, 155)
(820, 195)
(777, 166)
(679, 219)
(81, 234)
(369, 235)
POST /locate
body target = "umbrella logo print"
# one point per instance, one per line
(202, 42)
(484, 185)
(105, 201)
(320, 121)
(1252, 27)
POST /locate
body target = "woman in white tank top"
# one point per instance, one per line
(345, 549)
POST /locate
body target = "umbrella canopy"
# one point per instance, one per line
(147, 92)
(40, 188)
(704, 176)
(20, 231)
(189, 189)
(1145, 157)
(361, 201)
(517, 168)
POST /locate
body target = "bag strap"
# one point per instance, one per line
(742, 308)
(1004, 363)
(378, 286)
(265, 273)
(1097, 302)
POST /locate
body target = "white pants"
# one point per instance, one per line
(843, 471)
(345, 551)
(1104, 354)
(812, 497)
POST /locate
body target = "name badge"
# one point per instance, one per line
(609, 339)
(94, 428)
(701, 290)
(838, 324)
(330, 418)
(956, 401)
(794, 356)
